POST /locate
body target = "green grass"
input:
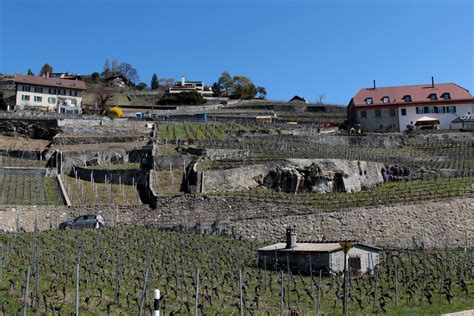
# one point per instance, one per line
(53, 196)
(114, 260)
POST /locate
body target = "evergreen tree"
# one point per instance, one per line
(30, 72)
(154, 82)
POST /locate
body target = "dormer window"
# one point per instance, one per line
(446, 96)
(369, 101)
(433, 97)
(407, 98)
(386, 100)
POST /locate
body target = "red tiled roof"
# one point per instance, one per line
(418, 93)
(51, 82)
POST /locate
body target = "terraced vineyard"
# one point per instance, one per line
(387, 193)
(193, 132)
(432, 157)
(8, 161)
(115, 272)
(83, 192)
(28, 187)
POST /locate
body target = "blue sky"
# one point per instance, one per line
(301, 47)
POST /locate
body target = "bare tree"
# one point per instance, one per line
(321, 98)
(102, 95)
(128, 72)
(165, 83)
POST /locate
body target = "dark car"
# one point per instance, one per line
(84, 221)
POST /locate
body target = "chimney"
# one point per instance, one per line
(290, 238)
(183, 80)
(47, 75)
(374, 85)
(432, 82)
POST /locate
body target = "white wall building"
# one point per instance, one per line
(392, 109)
(188, 86)
(48, 94)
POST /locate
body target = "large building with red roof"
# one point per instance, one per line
(392, 109)
(48, 94)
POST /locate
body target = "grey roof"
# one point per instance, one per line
(313, 247)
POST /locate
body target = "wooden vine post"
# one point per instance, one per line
(346, 246)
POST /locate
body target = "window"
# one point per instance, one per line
(378, 113)
(73, 93)
(426, 109)
(38, 89)
(61, 92)
(51, 100)
(369, 101)
(404, 112)
(26, 88)
(407, 98)
(385, 99)
(74, 102)
(52, 91)
(433, 97)
(25, 98)
(446, 96)
(419, 110)
(451, 109)
(363, 114)
(38, 98)
(393, 113)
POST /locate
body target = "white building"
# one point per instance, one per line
(392, 109)
(48, 94)
(188, 86)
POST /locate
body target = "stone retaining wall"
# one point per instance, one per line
(449, 222)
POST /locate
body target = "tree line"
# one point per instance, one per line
(234, 87)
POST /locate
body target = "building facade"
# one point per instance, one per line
(189, 86)
(393, 109)
(48, 94)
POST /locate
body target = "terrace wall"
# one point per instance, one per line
(449, 222)
(115, 176)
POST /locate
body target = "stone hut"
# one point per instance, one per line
(310, 257)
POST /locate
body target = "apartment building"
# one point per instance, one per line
(48, 94)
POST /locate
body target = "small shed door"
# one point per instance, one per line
(354, 264)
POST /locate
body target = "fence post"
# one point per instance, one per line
(156, 303)
(77, 287)
(282, 304)
(27, 287)
(241, 294)
(197, 294)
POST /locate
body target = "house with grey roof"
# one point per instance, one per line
(311, 257)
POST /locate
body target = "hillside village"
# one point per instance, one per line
(310, 188)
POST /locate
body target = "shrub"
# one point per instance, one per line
(183, 98)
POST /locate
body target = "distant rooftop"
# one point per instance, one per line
(50, 82)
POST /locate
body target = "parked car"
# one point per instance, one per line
(84, 221)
